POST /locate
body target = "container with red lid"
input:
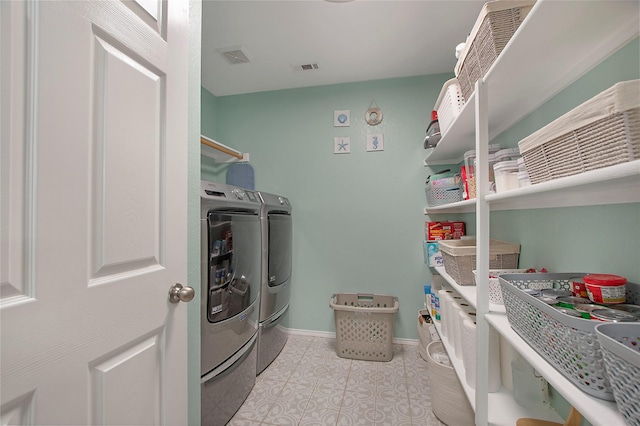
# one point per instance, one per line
(605, 288)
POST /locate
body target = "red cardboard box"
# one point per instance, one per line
(436, 231)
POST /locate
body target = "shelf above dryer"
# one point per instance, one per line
(220, 152)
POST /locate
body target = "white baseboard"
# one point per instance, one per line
(408, 342)
(330, 335)
(310, 333)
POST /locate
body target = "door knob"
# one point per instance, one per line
(177, 293)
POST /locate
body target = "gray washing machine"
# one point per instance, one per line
(275, 290)
(230, 298)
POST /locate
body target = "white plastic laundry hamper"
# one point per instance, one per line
(364, 325)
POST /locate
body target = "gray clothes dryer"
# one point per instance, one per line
(230, 298)
(276, 226)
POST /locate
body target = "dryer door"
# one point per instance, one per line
(276, 284)
(280, 241)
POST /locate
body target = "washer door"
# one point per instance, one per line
(233, 270)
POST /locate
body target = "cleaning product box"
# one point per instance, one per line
(433, 255)
(436, 231)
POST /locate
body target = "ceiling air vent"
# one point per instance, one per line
(234, 55)
(306, 67)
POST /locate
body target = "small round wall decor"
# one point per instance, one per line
(373, 116)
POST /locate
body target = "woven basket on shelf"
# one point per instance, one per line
(459, 258)
(449, 403)
(495, 26)
(603, 131)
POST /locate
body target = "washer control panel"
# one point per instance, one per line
(212, 190)
(283, 201)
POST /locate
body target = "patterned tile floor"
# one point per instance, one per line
(308, 384)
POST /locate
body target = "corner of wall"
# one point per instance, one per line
(193, 228)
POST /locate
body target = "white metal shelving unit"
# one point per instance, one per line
(509, 410)
(556, 44)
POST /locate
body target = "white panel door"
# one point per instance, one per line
(93, 216)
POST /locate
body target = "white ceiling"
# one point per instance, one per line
(354, 41)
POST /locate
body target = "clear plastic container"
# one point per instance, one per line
(522, 167)
(523, 179)
(507, 154)
(470, 175)
(506, 175)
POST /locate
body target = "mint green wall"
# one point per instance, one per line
(209, 121)
(208, 127)
(358, 217)
(620, 66)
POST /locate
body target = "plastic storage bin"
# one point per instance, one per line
(601, 132)
(470, 353)
(495, 293)
(506, 175)
(364, 325)
(568, 343)
(493, 29)
(459, 258)
(446, 296)
(507, 154)
(448, 400)
(620, 345)
(523, 175)
(443, 188)
(449, 104)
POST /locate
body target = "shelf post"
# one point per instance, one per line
(482, 252)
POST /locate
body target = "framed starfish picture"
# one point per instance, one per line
(341, 145)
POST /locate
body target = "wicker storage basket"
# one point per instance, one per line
(569, 344)
(459, 258)
(364, 325)
(620, 345)
(449, 403)
(601, 132)
(495, 26)
(449, 104)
